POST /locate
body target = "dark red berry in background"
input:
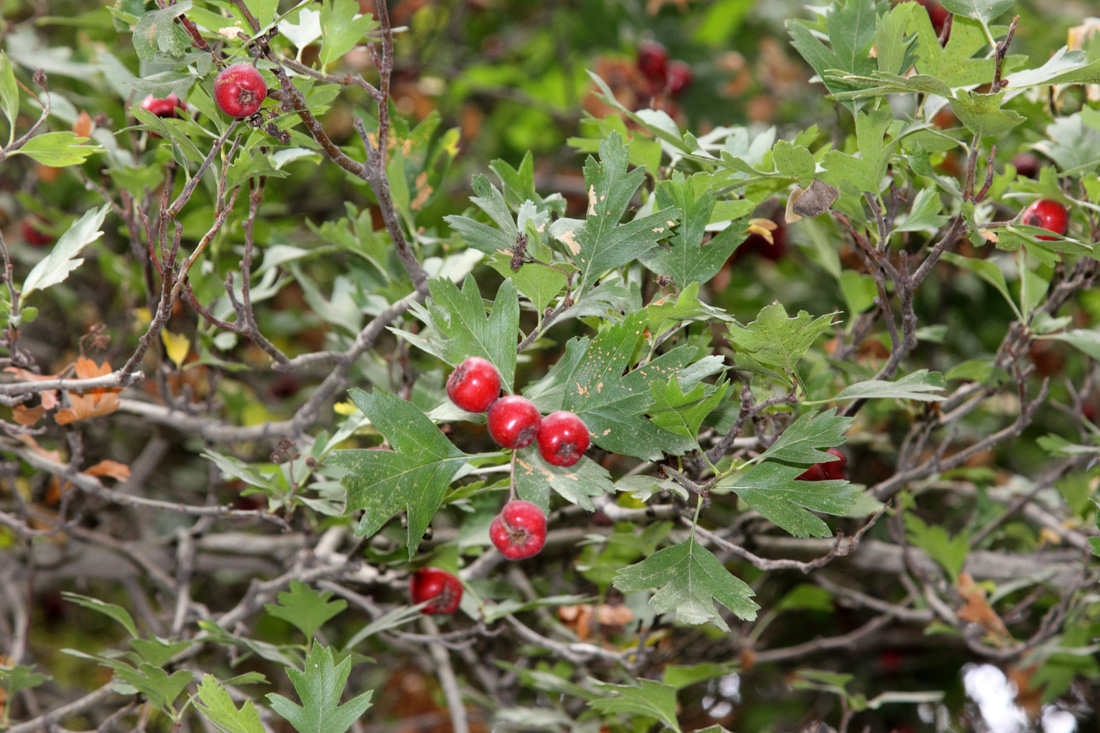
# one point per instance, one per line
(474, 384)
(438, 586)
(167, 107)
(679, 77)
(32, 234)
(1027, 164)
(563, 438)
(826, 471)
(514, 421)
(519, 531)
(1046, 214)
(937, 13)
(653, 61)
(240, 90)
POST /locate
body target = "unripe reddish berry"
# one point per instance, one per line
(438, 586)
(679, 77)
(474, 384)
(239, 90)
(653, 61)
(166, 107)
(563, 438)
(514, 421)
(1027, 164)
(1046, 214)
(519, 531)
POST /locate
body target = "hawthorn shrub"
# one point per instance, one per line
(838, 390)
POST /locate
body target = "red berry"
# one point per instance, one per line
(32, 234)
(474, 385)
(834, 470)
(519, 531)
(826, 471)
(438, 586)
(514, 421)
(240, 90)
(653, 61)
(563, 438)
(167, 107)
(1027, 164)
(1046, 214)
(679, 77)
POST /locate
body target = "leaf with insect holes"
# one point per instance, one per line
(457, 326)
(600, 243)
(342, 27)
(62, 260)
(577, 483)
(592, 380)
(413, 477)
(647, 699)
(771, 488)
(690, 259)
(776, 340)
(807, 439)
(320, 686)
(215, 704)
(306, 608)
(690, 579)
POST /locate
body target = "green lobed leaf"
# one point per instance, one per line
(776, 340)
(772, 489)
(62, 260)
(216, 705)
(950, 552)
(161, 688)
(157, 33)
(862, 173)
(916, 386)
(9, 93)
(690, 256)
(955, 64)
(601, 243)
(807, 439)
(159, 653)
(20, 677)
(115, 612)
(57, 149)
(850, 28)
(413, 477)
(683, 413)
(894, 49)
(306, 608)
(647, 699)
(690, 579)
(342, 27)
(458, 326)
(320, 687)
(982, 113)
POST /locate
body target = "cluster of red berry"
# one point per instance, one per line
(514, 422)
(239, 91)
(664, 75)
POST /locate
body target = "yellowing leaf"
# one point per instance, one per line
(177, 346)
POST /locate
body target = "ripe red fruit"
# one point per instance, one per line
(653, 61)
(679, 77)
(1046, 214)
(32, 234)
(474, 384)
(826, 471)
(563, 438)
(239, 90)
(514, 421)
(167, 107)
(519, 531)
(438, 586)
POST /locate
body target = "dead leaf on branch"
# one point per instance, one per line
(93, 403)
(977, 610)
(580, 617)
(50, 398)
(112, 469)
